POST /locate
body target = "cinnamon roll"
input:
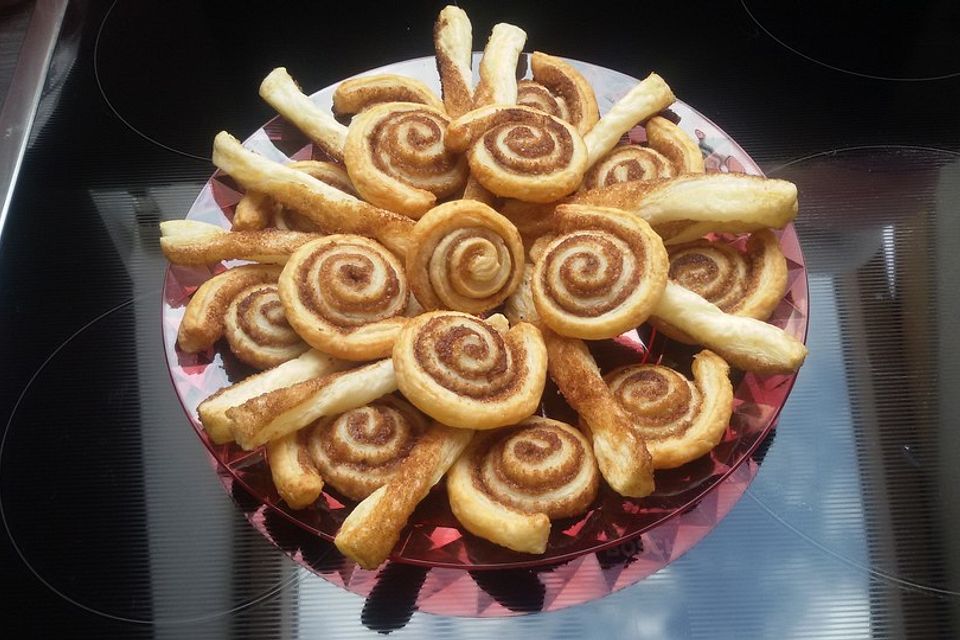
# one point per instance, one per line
(601, 276)
(647, 98)
(498, 66)
(464, 256)
(345, 295)
(560, 90)
(679, 420)
(332, 209)
(359, 450)
(628, 163)
(519, 152)
(189, 242)
(675, 144)
(257, 330)
(356, 94)
(203, 319)
(373, 527)
(397, 160)
(294, 474)
(465, 372)
(510, 483)
(453, 42)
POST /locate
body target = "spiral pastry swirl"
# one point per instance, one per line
(559, 90)
(531, 93)
(519, 152)
(510, 483)
(464, 372)
(464, 256)
(679, 420)
(628, 163)
(345, 295)
(359, 450)
(601, 276)
(257, 329)
(396, 158)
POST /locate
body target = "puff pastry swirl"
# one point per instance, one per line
(560, 90)
(257, 329)
(627, 163)
(356, 94)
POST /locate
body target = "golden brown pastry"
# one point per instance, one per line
(747, 283)
(675, 144)
(466, 372)
(189, 242)
(345, 295)
(373, 527)
(358, 451)
(464, 256)
(510, 483)
(519, 152)
(253, 212)
(627, 163)
(282, 93)
(356, 94)
(498, 66)
(560, 90)
(648, 98)
(679, 420)
(746, 343)
(202, 323)
(453, 41)
(276, 413)
(397, 160)
(213, 410)
(294, 475)
(257, 329)
(330, 208)
(601, 276)
(716, 202)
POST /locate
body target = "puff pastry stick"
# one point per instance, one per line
(373, 527)
(213, 410)
(294, 475)
(189, 242)
(746, 343)
(356, 94)
(333, 210)
(649, 97)
(453, 41)
(282, 93)
(498, 66)
(277, 413)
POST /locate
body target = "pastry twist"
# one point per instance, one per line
(628, 163)
(464, 256)
(498, 66)
(464, 372)
(345, 295)
(560, 90)
(602, 276)
(189, 242)
(356, 94)
(519, 152)
(358, 451)
(510, 483)
(679, 420)
(675, 144)
(453, 42)
(257, 330)
(294, 474)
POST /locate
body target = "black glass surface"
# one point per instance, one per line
(114, 522)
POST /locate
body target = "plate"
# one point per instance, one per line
(433, 537)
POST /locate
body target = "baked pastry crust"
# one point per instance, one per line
(601, 276)
(282, 93)
(627, 163)
(674, 143)
(559, 89)
(498, 66)
(396, 157)
(294, 475)
(373, 527)
(465, 372)
(519, 152)
(356, 94)
(510, 483)
(331, 209)
(257, 330)
(679, 420)
(345, 295)
(453, 42)
(464, 256)
(188, 242)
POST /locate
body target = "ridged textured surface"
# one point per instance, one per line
(115, 522)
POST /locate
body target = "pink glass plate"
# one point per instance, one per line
(433, 537)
